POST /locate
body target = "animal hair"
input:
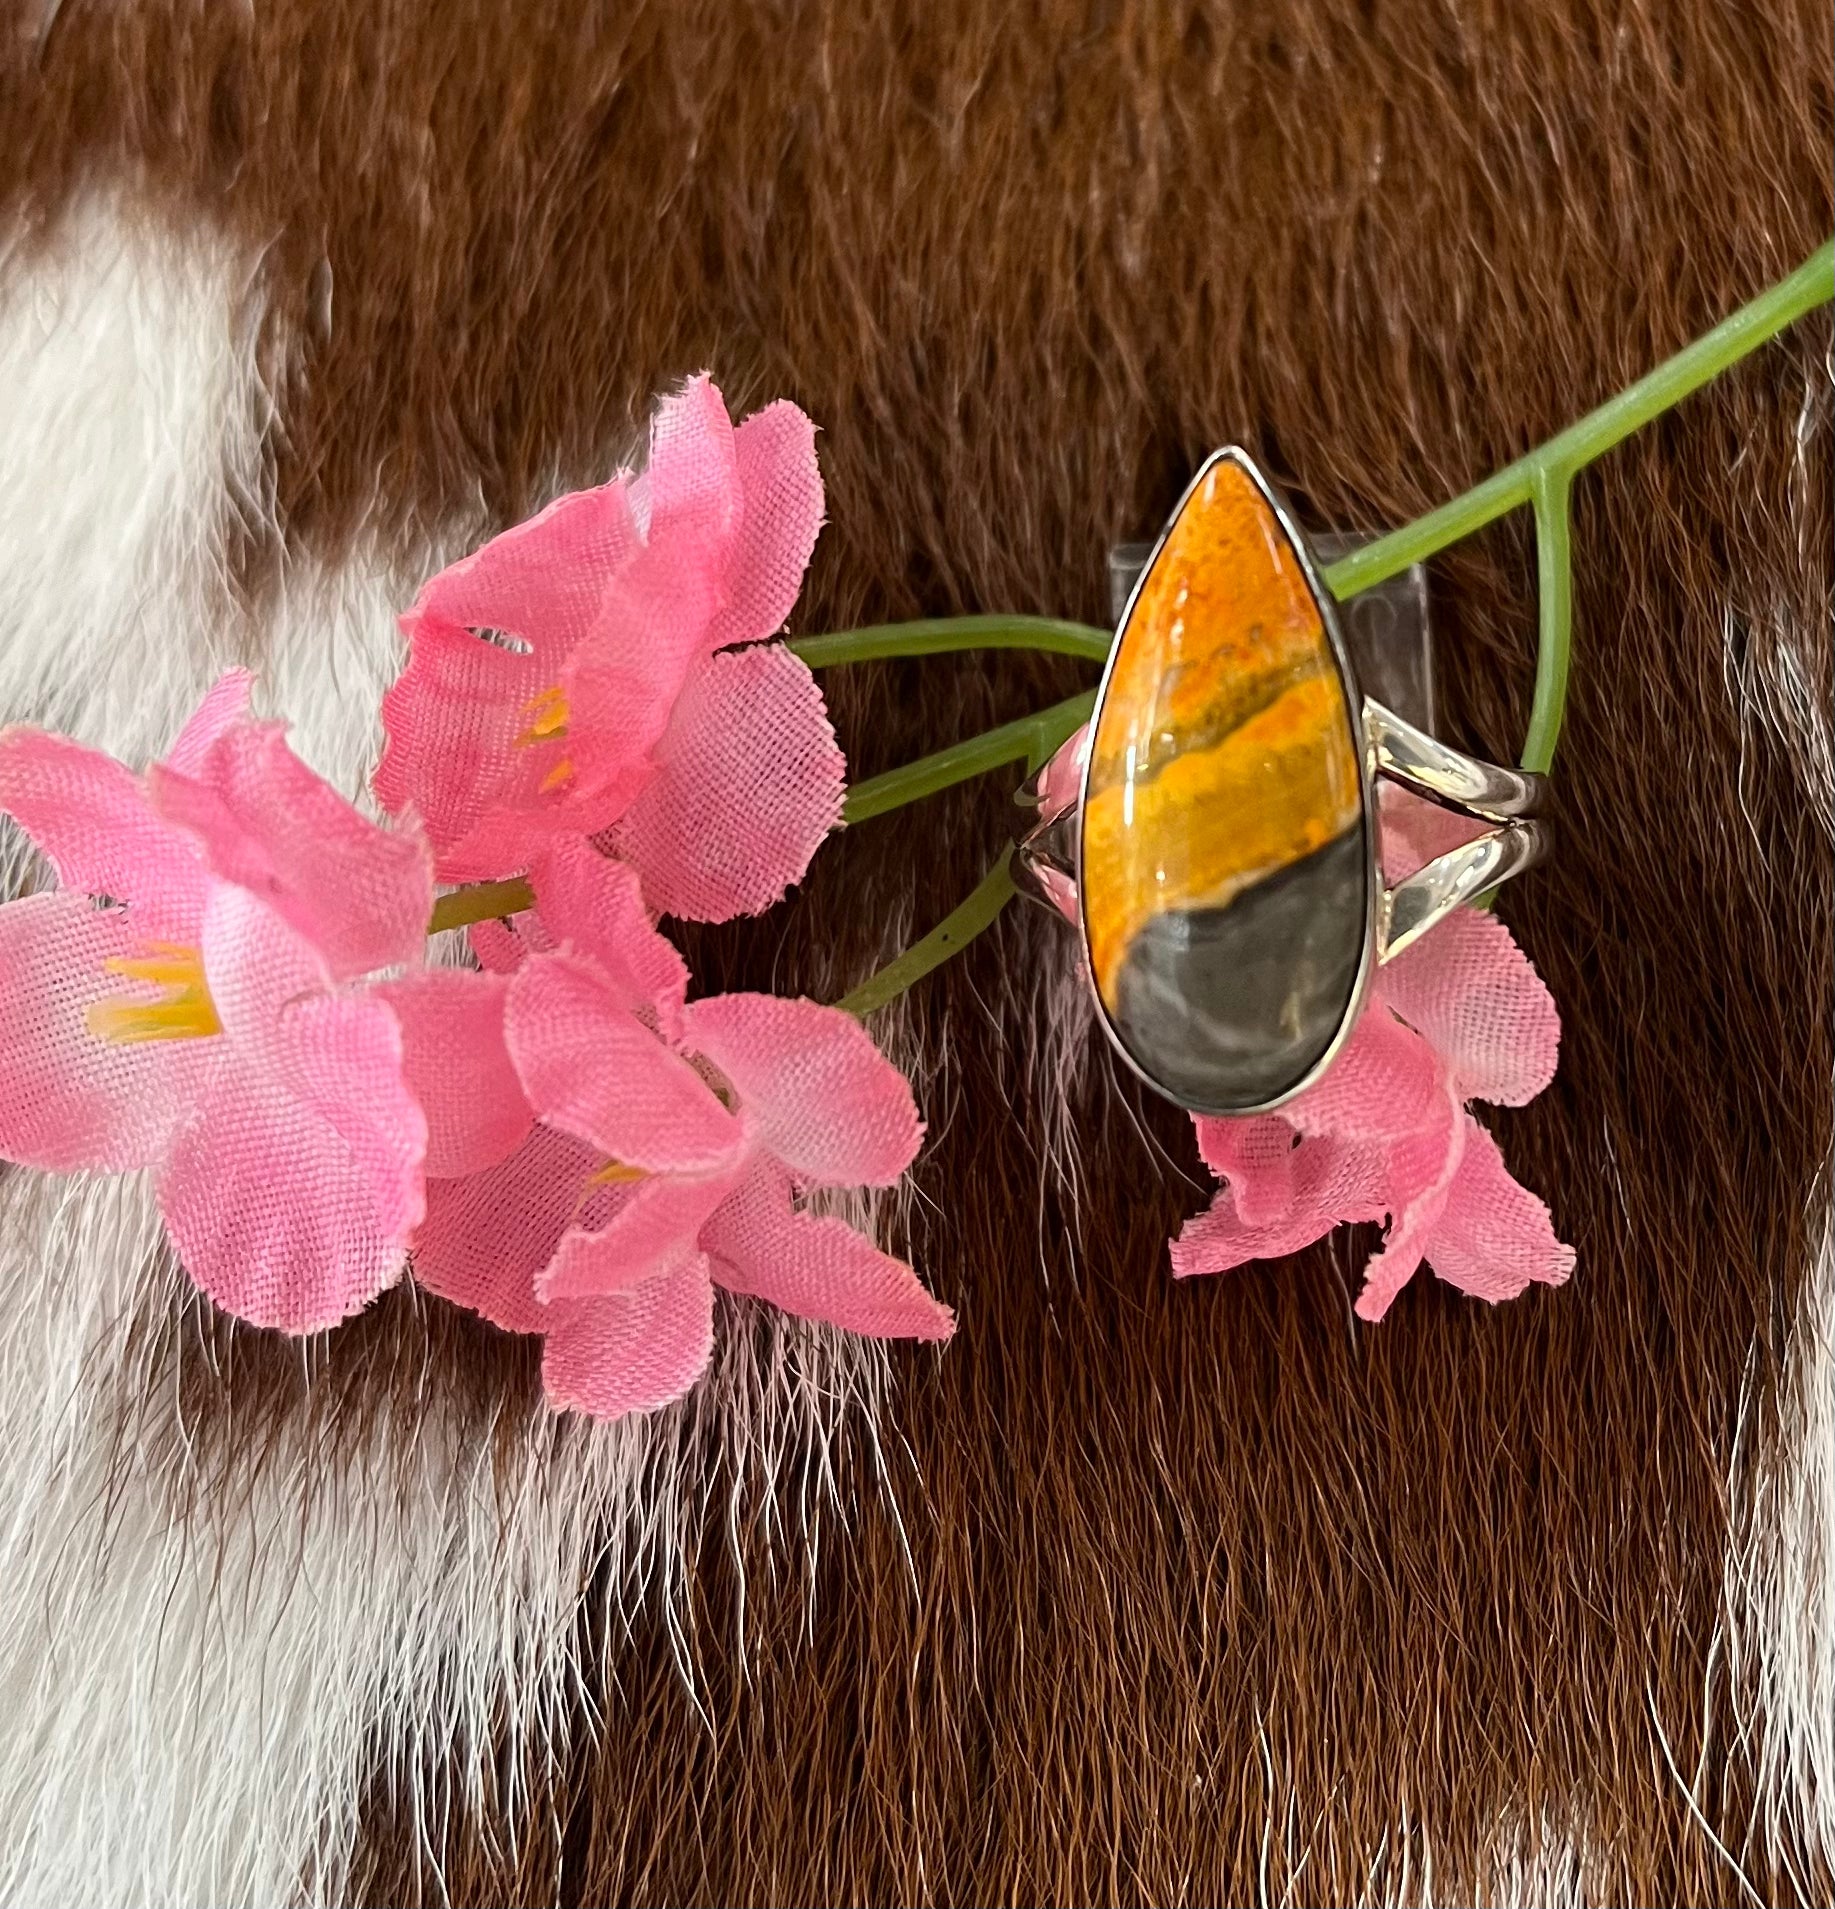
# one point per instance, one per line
(1139, 1591)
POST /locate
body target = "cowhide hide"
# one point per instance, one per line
(1136, 1593)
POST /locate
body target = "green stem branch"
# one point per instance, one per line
(941, 635)
(1033, 740)
(1541, 479)
(1554, 610)
(482, 901)
(950, 936)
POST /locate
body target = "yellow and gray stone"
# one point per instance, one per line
(1225, 861)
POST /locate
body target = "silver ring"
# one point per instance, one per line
(1213, 832)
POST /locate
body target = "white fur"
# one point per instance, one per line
(1776, 1639)
(133, 408)
(199, 1661)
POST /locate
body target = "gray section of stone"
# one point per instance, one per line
(1228, 1008)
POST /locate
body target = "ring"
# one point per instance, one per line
(1213, 830)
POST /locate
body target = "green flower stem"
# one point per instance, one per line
(940, 635)
(482, 901)
(1032, 740)
(1555, 609)
(950, 936)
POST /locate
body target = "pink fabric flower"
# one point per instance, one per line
(577, 676)
(184, 1001)
(673, 1145)
(458, 1066)
(1385, 1135)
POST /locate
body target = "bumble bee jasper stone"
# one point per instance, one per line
(1225, 864)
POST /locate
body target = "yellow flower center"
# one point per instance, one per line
(616, 1173)
(186, 1013)
(548, 714)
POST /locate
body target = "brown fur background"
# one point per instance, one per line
(1211, 1593)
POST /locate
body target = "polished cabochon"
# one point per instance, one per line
(1225, 857)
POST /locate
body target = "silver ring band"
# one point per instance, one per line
(1398, 752)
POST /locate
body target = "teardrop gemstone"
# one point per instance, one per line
(1225, 859)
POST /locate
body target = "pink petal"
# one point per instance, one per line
(817, 1268)
(1060, 782)
(1256, 1156)
(607, 626)
(633, 1352)
(654, 620)
(68, 1098)
(623, 681)
(339, 1054)
(1472, 993)
(511, 834)
(596, 904)
(822, 1097)
(749, 781)
(1494, 1236)
(1383, 1084)
(451, 721)
(273, 1212)
(610, 598)
(775, 452)
(91, 817)
(1218, 1240)
(1334, 1182)
(501, 947)
(458, 1067)
(488, 1235)
(648, 1228)
(590, 1067)
(256, 964)
(690, 486)
(1420, 1170)
(360, 893)
(225, 704)
(540, 582)
(342, 1056)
